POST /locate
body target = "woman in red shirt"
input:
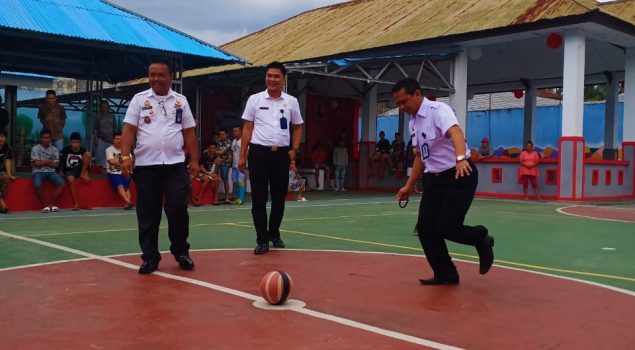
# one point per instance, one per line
(529, 160)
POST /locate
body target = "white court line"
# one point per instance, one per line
(562, 211)
(238, 293)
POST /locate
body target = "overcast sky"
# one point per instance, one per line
(220, 21)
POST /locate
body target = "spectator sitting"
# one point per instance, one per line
(119, 183)
(224, 151)
(318, 157)
(483, 150)
(396, 153)
(74, 161)
(381, 154)
(297, 184)
(45, 159)
(210, 173)
(6, 170)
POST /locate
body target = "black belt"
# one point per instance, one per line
(269, 148)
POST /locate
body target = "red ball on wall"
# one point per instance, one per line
(519, 93)
(554, 40)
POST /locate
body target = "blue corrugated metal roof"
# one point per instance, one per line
(30, 75)
(101, 21)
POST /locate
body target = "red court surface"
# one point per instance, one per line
(600, 212)
(94, 304)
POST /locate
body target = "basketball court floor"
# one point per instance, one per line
(564, 277)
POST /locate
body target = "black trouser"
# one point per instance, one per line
(444, 203)
(268, 171)
(154, 183)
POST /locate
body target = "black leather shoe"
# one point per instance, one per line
(278, 243)
(485, 253)
(148, 266)
(185, 262)
(435, 281)
(261, 249)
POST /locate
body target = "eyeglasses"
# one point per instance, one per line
(162, 105)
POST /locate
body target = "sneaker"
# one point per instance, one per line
(343, 189)
(46, 210)
(55, 209)
(303, 199)
(337, 190)
(238, 202)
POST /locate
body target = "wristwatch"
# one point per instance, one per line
(460, 158)
(124, 158)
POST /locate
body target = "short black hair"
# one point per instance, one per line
(76, 136)
(45, 132)
(3, 133)
(277, 65)
(117, 133)
(50, 92)
(213, 143)
(529, 142)
(238, 126)
(409, 84)
(161, 60)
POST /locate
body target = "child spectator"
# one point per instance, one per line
(381, 154)
(119, 183)
(340, 160)
(318, 157)
(297, 184)
(238, 177)
(224, 151)
(45, 159)
(74, 161)
(396, 153)
(483, 150)
(210, 173)
(6, 170)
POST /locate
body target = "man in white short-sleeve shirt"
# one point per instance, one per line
(161, 122)
(269, 117)
(449, 183)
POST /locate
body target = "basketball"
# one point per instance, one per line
(276, 287)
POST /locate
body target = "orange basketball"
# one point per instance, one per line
(276, 287)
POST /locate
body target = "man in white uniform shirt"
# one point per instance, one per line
(269, 115)
(162, 123)
(449, 183)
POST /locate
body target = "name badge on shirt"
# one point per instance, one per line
(283, 121)
(264, 108)
(425, 151)
(179, 116)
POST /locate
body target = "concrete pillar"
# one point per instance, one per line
(531, 94)
(369, 115)
(610, 116)
(573, 83)
(571, 167)
(458, 98)
(369, 132)
(629, 96)
(11, 106)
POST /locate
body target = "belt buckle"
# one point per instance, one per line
(274, 148)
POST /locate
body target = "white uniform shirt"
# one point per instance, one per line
(427, 131)
(160, 121)
(236, 151)
(266, 113)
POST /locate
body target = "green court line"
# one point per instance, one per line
(538, 267)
